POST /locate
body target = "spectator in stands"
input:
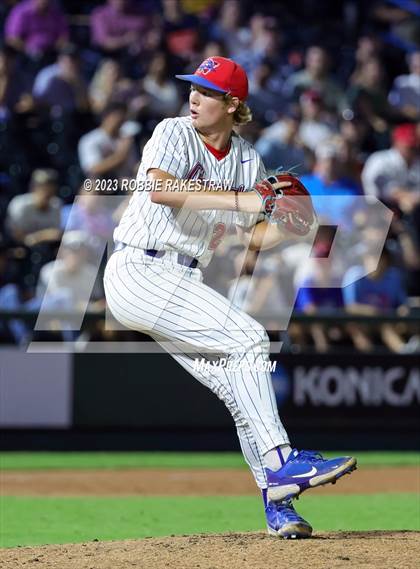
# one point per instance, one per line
(180, 31)
(108, 151)
(405, 92)
(109, 85)
(242, 290)
(267, 103)
(264, 48)
(316, 126)
(258, 288)
(336, 192)
(316, 76)
(119, 27)
(15, 91)
(11, 331)
(368, 48)
(36, 27)
(320, 293)
(393, 175)
(71, 279)
(367, 97)
(406, 235)
(60, 86)
(34, 218)
(381, 291)
(354, 131)
(162, 95)
(105, 84)
(214, 48)
(88, 213)
(281, 147)
(228, 28)
(350, 158)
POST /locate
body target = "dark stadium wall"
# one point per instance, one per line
(147, 401)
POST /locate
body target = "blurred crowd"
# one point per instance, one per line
(335, 96)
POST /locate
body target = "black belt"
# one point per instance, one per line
(185, 260)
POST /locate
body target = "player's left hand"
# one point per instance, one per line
(286, 201)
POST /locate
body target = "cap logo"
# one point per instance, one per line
(207, 66)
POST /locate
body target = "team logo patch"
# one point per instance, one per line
(197, 172)
(207, 66)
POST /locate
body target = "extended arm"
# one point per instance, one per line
(192, 194)
(283, 199)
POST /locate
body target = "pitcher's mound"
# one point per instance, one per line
(361, 550)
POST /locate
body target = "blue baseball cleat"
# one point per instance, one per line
(284, 521)
(305, 469)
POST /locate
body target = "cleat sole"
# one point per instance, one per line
(292, 531)
(289, 491)
(332, 477)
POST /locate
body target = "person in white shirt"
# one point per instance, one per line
(405, 91)
(109, 149)
(34, 217)
(163, 97)
(393, 175)
(71, 277)
(316, 126)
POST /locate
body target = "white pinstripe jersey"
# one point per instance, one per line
(175, 147)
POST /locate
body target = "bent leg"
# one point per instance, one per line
(197, 321)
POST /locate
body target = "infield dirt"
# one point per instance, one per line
(183, 482)
(358, 550)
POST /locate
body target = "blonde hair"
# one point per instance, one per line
(243, 114)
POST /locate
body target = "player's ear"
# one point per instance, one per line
(232, 104)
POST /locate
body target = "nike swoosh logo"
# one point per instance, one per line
(310, 473)
(248, 160)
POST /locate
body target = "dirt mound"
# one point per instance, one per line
(361, 550)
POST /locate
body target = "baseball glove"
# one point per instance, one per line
(290, 206)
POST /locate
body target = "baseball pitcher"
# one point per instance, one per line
(197, 178)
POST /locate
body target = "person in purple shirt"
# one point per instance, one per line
(61, 85)
(119, 26)
(36, 27)
(320, 293)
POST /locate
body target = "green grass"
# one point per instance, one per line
(35, 521)
(41, 520)
(86, 460)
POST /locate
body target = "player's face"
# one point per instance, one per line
(208, 108)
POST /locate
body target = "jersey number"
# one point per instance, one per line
(218, 231)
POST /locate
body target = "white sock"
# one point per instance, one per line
(276, 457)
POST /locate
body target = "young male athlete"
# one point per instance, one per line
(153, 281)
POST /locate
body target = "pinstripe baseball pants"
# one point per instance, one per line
(192, 321)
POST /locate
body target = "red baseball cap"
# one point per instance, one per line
(406, 134)
(220, 74)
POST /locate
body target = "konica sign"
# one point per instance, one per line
(372, 382)
(333, 386)
(365, 402)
